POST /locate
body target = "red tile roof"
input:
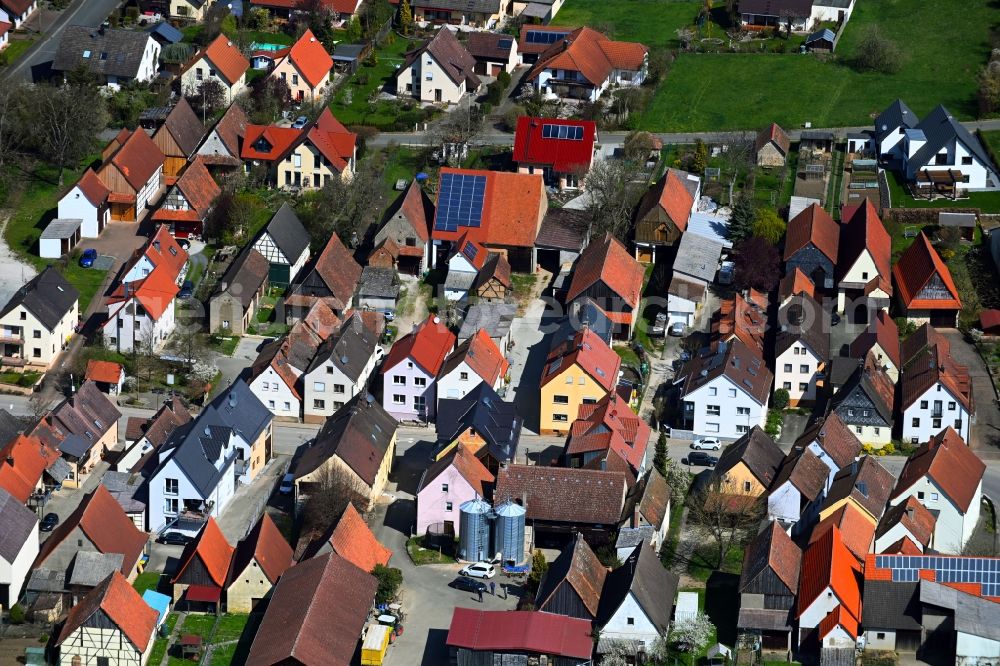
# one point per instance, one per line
(214, 552)
(918, 268)
(864, 231)
(772, 133)
(610, 424)
(332, 140)
(563, 155)
(107, 372)
(949, 463)
(138, 160)
(267, 546)
(913, 516)
(564, 494)
(609, 262)
(927, 361)
(198, 186)
(588, 350)
(834, 437)
(5, 28)
(465, 462)
(227, 58)
(856, 530)
(989, 321)
(741, 318)
(838, 617)
(591, 54)
(353, 540)
(813, 225)
(533, 632)
(427, 345)
(827, 562)
(670, 194)
(482, 356)
(310, 58)
(885, 335)
(269, 143)
(120, 603)
(155, 293)
(92, 188)
(23, 460)
(902, 546)
(513, 208)
(795, 283)
(772, 549)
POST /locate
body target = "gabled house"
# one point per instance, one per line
(608, 435)
(297, 626)
(664, 211)
(493, 283)
(607, 274)
(801, 349)
(141, 312)
(142, 436)
(221, 61)
(16, 12)
(353, 540)
(403, 240)
(18, 547)
(132, 169)
(881, 339)
(411, 369)
(794, 283)
(356, 445)
(466, 260)
(946, 476)
(573, 583)
(87, 201)
(812, 243)
(192, 10)
(800, 483)
(340, 369)
(856, 530)
(585, 63)
(28, 466)
(890, 128)
(199, 467)
(440, 70)
(276, 375)
(38, 321)
(305, 68)
(189, 201)
(456, 478)
(332, 279)
(480, 14)
(725, 393)
(162, 252)
(741, 318)
(749, 465)
(481, 422)
(939, 155)
(115, 57)
(111, 624)
(562, 150)
(494, 52)
(233, 305)
(284, 242)
(580, 369)
(259, 560)
(865, 403)
(474, 361)
(493, 318)
(203, 571)
(829, 601)
(650, 516)
(637, 601)
(864, 484)
(790, 15)
(935, 391)
(769, 584)
(771, 146)
(924, 288)
(496, 635)
(905, 527)
(178, 138)
(305, 158)
(695, 267)
(863, 264)
(107, 375)
(221, 147)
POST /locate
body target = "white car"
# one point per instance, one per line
(479, 570)
(707, 444)
(287, 484)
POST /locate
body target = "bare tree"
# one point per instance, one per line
(614, 188)
(724, 515)
(348, 207)
(332, 488)
(877, 53)
(65, 121)
(12, 98)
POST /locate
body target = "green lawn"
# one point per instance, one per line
(224, 344)
(651, 22)
(87, 281)
(702, 562)
(628, 356)
(160, 645)
(230, 627)
(147, 580)
(223, 656)
(421, 555)
(261, 37)
(15, 50)
(200, 625)
(731, 91)
(987, 201)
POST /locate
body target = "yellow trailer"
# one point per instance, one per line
(375, 645)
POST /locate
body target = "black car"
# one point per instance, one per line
(187, 290)
(701, 459)
(48, 523)
(174, 539)
(468, 584)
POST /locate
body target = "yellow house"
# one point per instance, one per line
(260, 559)
(748, 465)
(579, 370)
(354, 448)
(865, 484)
(305, 68)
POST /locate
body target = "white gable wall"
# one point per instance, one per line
(13, 574)
(640, 628)
(158, 505)
(920, 423)
(798, 366)
(276, 395)
(953, 528)
(737, 410)
(76, 206)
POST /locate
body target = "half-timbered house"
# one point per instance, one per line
(284, 242)
(132, 169)
(178, 138)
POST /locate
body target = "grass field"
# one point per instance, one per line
(987, 201)
(716, 92)
(15, 50)
(650, 22)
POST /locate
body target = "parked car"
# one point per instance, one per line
(468, 584)
(660, 324)
(726, 272)
(685, 356)
(389, 315)
(676, 329)
(479, 570)
(300, 122)
(48, 523)
(184, 243)
(174, 539)
(187, 290)
(707, 443)
(88, 257)
(287, 483)
(700, 459)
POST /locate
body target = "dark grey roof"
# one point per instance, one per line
(940, 128)
(18, 521)
(11, 426)
(472, 6)
(764, 618)
(287, 232)
(780, 8)
(652, 585)
(629, 537)
(802, 319)
(347, 52)
(350, 348)
(896, 116)
(107, 52)
(761, 455)
(378, 283)
(564, 229)
(816, 135)
(494, 318)
(957, 219)
(584, 312)
(167, 33)
(459, 280)
(244, 276)
(973, 615)
(861, 380)
(61, 228)
(698, 257)
(48, 296)
(74, 445)
(46, 580)
(124, 486)
(824, 35)
(495, 420)
(59, 471)
(90, 568)
(889, 605)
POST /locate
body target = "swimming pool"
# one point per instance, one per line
(267, 47)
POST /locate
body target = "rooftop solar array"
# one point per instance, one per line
(460, 201)
(562, 132)
(545, 36)
(977, 570)
(470, 251)
(505, 43)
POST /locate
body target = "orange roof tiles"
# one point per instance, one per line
(885, 335)
(590, 352)
(917, 520)
(92, 188)
(310, 58)
(23, 460)
(795, 283)
(482, 355)
(428, 345)
(773, 132)
(138, 160)
(198, 186)
(743, 319)
(608, 261)
(214, 552)
(949, 463)
(838, 617)
(155, 293)
(919, 273)
(227, 58)
(354, 541)
(265, 545)
(864, 231)
(107, 372)
(813, 226)
(675, 199)
(120, 603)
(268, 142)
(856, 530)
(333, 140)
(592, 54)
(827, 562)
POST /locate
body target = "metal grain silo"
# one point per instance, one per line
(474, 531)
(508, 531)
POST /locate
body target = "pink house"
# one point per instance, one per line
(410, 371)
(454, 479)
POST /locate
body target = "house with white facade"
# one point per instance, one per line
(936, 391)
(221, 61)
(801, 482)
(132, 168)
(201, 465)
(904, 527)
(18, 547)
(141, 313)
(441, 70)
(650, 521)
(464, 264)
(881, 339)
(585, 63)
(832, 441)
(476, 360)
(947, 478)
(865, 403)
(114, 57)
(275, 376)
(411, 369)
(341, 369)
(87, 201)
(801, 349)
(725, 393)
(284, 242)
(863, 271)
(829, 602)
(38, 321)
(16, 12)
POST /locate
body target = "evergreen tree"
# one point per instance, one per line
(405, 16)
(660, 456)
(700, 161)
(742, 219)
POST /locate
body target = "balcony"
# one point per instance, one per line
(12, 361)
(11, 336)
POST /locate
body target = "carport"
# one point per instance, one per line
(59, 238)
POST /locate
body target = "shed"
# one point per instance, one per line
(378, 289)
(59, 238)
(822, 41)
(686, 607)
(966, 222)
(347, 56)
(158, 602)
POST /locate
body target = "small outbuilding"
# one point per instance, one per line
(108, 375)
(59, 238)
(964, 222)
(821, 41)
(771, 147)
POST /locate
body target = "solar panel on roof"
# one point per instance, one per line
(460, 201)
(544, 36)
(470, 251)
(570, 132)
(505, 43)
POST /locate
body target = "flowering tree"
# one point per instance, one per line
(692, 634)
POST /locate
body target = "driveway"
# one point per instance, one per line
(532, 336)
(986, 428)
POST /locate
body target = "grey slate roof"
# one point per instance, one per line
(629, 537)
(350, 347)
(802, 319)
(244, 276)
(378, 283)
(698, 257)
(940, 128)
(167, 33)
(761, 455)
(564, 229)
(957, 219)
(459, 280)
(10, 426)
(652, 585)
(90, 568)
(116, 53)
(494, 318)
(495, 420)
(780, 8)
(123, 486)
(62, 228)
(18, 521)
(896, 116)
(48, 296)
(585, 312)
(889, 605)
(287, 232)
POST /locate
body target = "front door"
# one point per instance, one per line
(437, 94)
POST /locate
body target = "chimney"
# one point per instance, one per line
(635, 515)
(10, 460)
(909, 513)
